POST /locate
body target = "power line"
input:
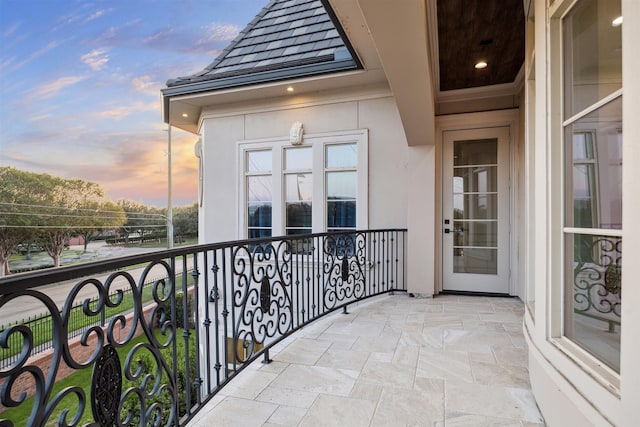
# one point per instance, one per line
(105, 227)
(83, 209)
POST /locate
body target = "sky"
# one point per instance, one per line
(80, 88)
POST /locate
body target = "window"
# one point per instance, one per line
(318, 186)
(592, 126)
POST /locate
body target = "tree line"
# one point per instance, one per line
(38, 209)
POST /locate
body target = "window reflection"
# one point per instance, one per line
(259, 193)
(594, 156)
(592, 52)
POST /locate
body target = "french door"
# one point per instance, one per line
(475, 216)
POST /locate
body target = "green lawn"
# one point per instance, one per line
(20, 415)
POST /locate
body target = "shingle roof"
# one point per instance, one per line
(287, 39)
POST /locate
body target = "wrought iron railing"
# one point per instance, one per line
(160, 364)
(78, 323)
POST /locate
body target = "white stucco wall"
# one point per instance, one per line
(400, 179)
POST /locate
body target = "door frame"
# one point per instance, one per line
(468, 121)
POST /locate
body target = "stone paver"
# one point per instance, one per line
(394, 360)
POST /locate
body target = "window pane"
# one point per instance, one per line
(298, 158)
(594, 187)
(259, 214)
(342, 156)
(259, 161)
(298, 214)
(341, 214)
(257, 233)
(259, 188)
(582, 145)
(475, 152)
(593, 295)
(298, 187)
(341, 185)
(593, 53)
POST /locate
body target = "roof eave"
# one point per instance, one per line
(259, 78)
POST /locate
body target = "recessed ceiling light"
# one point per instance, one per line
(290, 89)
(617, 22)
(185, 115)
(480, 65)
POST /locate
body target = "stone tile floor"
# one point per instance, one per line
(392, 361)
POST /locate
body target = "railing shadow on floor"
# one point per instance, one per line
(159, 366)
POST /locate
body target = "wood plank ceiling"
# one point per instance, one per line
(470, 31)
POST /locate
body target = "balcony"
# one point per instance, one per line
(311, 330)
(393, 360)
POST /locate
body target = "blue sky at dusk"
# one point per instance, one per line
(80, 87)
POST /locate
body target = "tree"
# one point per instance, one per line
(50, 209)
(185, 220)
(20, 191)
(80, 201)
(141, 219)
(98, 215)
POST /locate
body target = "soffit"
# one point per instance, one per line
(470, 31)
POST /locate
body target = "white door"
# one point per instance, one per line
(475, 216)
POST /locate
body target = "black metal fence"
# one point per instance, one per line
(247, 296)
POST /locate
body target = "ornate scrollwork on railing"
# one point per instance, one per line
(345, 256)
(174, 347)
(106, 386)
(597, 278)
(261, 294)
(91, 347)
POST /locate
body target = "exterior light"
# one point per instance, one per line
(290, 89)
(617, 22)
(480, 65)
(185, 115)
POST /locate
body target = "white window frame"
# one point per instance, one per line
(555, 186)
(318, 142)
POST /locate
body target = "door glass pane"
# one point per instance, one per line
(475, 206)
(475, 261)
(593, 53)
(475, 152)
(475, 233)
(475, 179)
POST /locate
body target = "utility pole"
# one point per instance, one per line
(169, 201)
